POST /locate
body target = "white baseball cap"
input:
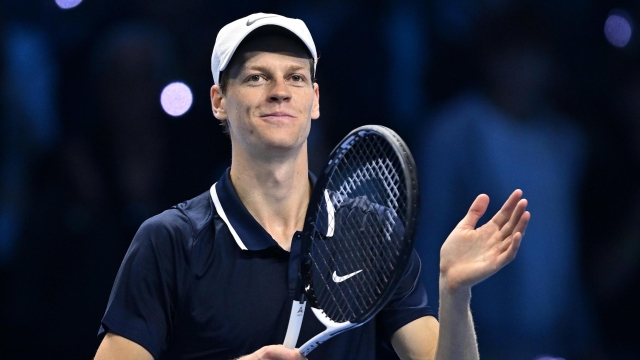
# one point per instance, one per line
(232, 34)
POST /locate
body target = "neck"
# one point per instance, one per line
(276, 192)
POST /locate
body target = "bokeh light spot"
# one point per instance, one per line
(617, 29)
(176, 99)
(68, 4)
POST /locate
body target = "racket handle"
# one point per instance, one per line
(295, 322)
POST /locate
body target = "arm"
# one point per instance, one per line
(467, 257)
(117, 347)
(417, 339)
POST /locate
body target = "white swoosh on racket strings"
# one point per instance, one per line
(338, 279)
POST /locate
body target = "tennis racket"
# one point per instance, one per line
(358, 233)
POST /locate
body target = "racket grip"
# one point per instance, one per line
(295, 322)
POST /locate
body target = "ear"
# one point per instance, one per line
(218, 103)
(315, 110)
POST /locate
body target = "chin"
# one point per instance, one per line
(285, 137)
(283, 145)
(283, 142)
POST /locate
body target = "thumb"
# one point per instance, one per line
(477, 209)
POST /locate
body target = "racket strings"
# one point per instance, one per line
(338, 304)
(368, 194)
(362, 288)
(341, 304)
(365, 291)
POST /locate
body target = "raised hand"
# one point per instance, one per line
(470, 254)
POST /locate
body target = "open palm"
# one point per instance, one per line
(470, 254)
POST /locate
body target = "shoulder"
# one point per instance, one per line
(197, 212)
(179, 225)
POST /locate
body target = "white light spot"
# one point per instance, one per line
(618, 29)
(176, 99)
(68, 4)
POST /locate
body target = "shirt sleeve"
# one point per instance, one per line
(144, 294)
(408, 303)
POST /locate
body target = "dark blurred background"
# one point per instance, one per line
(491, 95)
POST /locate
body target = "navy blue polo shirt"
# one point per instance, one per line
(204, 280)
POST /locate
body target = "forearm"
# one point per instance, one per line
(457, 339)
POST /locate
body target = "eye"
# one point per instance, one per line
(297, 78)
(254, 78)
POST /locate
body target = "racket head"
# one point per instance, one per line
(360, 225)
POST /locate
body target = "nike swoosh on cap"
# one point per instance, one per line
(338, 279)
(250, 22)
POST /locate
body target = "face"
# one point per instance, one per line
(270, 97)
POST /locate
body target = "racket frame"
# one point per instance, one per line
(305, 281)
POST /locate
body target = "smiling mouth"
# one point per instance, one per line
(278, 116)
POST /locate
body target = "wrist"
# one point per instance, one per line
(454, 293)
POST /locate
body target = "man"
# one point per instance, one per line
(213, 277)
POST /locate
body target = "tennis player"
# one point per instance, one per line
(212, 278)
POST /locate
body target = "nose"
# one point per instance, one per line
(279, 92)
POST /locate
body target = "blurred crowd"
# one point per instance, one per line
(490, 95)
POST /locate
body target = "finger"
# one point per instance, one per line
(279, 352)
(504, 246)
(521, 227)
(503, 216)
(516, 215)
(512, 246)
(477, 209)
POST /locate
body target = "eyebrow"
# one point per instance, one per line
(267, 70)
